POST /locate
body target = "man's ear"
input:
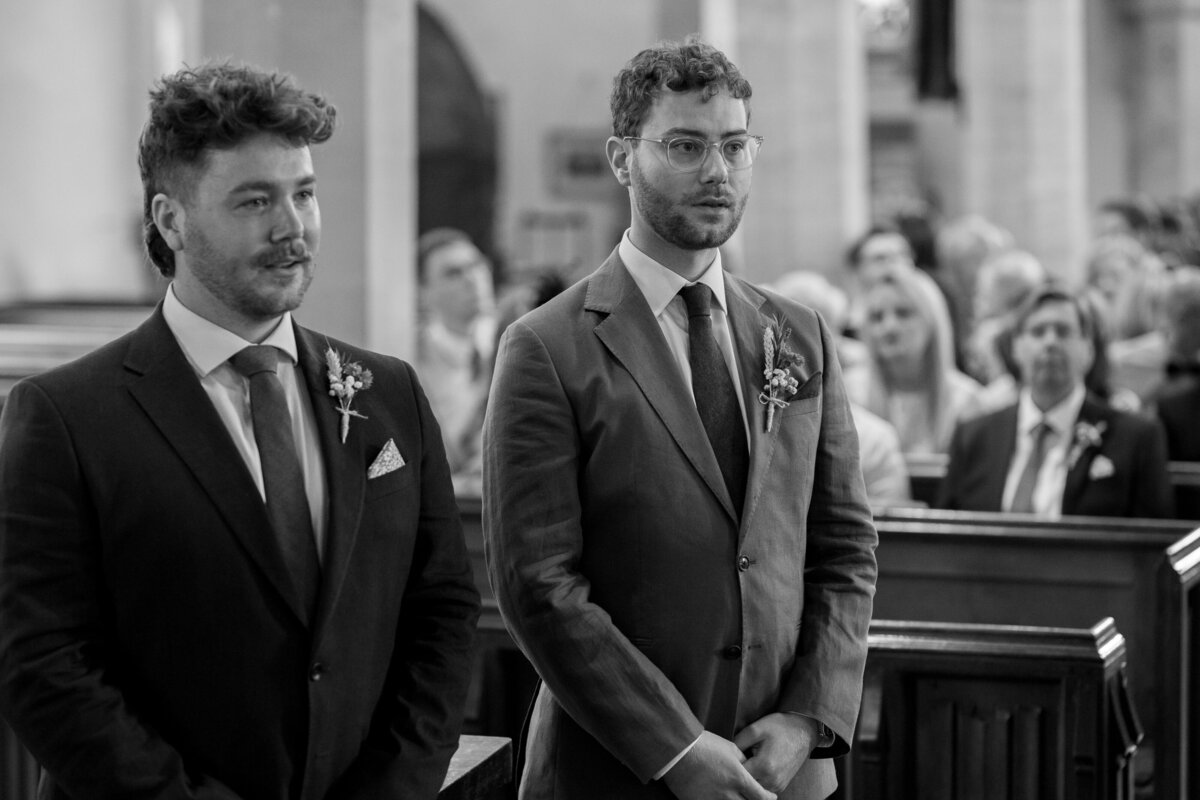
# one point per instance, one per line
(618, 158)
(169, 217)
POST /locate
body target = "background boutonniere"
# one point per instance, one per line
(1086, 436)
(777, 368)
(346, 379)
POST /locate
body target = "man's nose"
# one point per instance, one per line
(713, 168)
(289, 224)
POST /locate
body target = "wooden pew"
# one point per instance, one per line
(961, 711)
(1008, 569)
(481, 769)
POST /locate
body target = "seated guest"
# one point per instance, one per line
(911, 380)
(884, 469)
(454, 346)
(1178, 402)
(1057, 450)
(1005, 280)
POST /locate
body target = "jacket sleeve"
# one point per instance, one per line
(534, 540)
(419, 717)
(1152, 495)
(53, 686)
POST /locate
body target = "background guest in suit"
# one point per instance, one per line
(455, 345)
(911, 380)
(690, 572)
(1057, 450)
(217, 580)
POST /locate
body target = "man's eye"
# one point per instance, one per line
(735, 147)
(686, 146)
(255, 202)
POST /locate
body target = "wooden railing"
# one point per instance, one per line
(958, 711)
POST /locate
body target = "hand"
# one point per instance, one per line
(778, 745)
(712, 770)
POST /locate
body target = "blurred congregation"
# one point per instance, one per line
(938, 180)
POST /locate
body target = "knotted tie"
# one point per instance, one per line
(716, 397)
(1023, 497)
(287, 504)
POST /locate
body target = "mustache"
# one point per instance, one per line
(294, 250)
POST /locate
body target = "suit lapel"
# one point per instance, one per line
(166, 387)
(747, 324)
(632, 335)
(345, 473)
(1093, 413)
(1002, 441)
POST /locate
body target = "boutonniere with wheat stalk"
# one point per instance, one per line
(1087, 436)
(778, 359)
(346, 379)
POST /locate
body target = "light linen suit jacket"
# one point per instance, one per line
(151, 640)
(650, 612)
(1137, 485)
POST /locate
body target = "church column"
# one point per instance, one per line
(1166, 102)
(805, 61)
(1024, 136)
(363, 57)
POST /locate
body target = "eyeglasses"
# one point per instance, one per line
(687, 153)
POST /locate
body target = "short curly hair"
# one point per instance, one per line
(684, 66)
(216, 107)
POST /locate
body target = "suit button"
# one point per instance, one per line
(743, 563)
(317, 672)
(734, 651)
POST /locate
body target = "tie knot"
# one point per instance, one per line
(255, 359)
(698, 298)
(1043, 430)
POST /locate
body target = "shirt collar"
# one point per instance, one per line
(208, 345)
(661, 285)
(1060, 417)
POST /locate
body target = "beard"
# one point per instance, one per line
(668, 217)
(250, 287)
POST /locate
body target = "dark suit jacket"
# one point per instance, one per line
(150, 641)
(1178, 408)
(982, 450)
(649, 610)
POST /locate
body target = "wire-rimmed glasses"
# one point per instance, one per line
(687, 153)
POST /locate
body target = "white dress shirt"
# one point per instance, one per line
(208, 348)
(1052, 478)
(661, 286)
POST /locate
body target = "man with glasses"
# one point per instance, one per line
(675, 520)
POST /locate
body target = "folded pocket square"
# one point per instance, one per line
(388, 460)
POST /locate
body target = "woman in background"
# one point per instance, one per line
(911, 380)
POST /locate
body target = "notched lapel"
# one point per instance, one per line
(630, 332)
(345, 468)
(1077, 475)
(166, 387)
(747, 323)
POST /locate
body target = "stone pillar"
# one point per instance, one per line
(806, 63)
(1167, 99)
(1024, 139)
(363, 57)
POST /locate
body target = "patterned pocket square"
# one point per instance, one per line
(388, 460)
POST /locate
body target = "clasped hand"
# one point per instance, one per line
(718, 769)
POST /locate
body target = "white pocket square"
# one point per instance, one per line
(388, 460)
(1101, 468)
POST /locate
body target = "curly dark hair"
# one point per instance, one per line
(671, 66)
(215, 107)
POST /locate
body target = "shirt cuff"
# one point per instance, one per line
(658, 775)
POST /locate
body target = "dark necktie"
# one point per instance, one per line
(716, 397)
(1023, 497)
(287, 503)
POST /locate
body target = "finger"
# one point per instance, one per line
(748, 736)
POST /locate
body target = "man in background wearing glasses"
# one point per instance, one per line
(681, 547)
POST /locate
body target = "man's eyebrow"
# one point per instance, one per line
(670, 132)
(266, 186)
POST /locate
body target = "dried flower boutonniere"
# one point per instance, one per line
(777, 371)
(1086, 436)
(346, 379)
